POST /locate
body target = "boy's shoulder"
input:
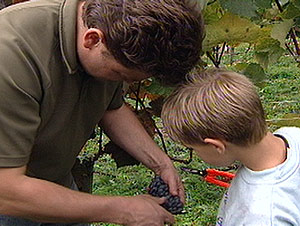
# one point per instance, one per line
(288, 130)
(291, 134)
(263, 197)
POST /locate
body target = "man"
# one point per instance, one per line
(62, 64)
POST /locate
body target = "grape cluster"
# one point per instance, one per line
(159, 188)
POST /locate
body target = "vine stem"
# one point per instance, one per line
(291, 52)
(221, 54)
(100, 149)
(217, 59)
(212, 59)
(293, 36)
(160, 133)
(278, 5)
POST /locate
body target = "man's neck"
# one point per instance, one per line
(268, 153)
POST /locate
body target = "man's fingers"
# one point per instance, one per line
(177, 189)
(169, 219)
(181, 194)
(155, 199)
(173, 188)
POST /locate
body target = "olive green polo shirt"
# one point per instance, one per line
(48, 105)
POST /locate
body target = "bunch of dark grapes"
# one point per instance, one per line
(159, 188)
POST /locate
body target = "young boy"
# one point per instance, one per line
(219, 114)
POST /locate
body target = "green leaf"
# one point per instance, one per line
(297, 26)
(281, 30)
(271, 13)
(296, 3)
(291, 12)
(212, 13)
(265, 4)
(267, 51)
(245, 8)
(256, 73)
(233, 30)
(240, 67)
(156, 88)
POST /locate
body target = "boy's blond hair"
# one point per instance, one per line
(215, 104)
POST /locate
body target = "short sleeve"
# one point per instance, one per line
(117, 100)
(20, 93)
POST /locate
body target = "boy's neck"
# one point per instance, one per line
(268, 153)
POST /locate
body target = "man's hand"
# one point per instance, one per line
(171, 177)
(145, 210)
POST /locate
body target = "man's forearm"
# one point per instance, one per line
(123, 127)
(45, 201)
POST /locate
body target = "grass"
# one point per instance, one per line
(280, 97)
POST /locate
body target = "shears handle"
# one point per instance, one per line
(217, 177)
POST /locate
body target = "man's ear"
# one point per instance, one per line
(218, 144)
(92, 38)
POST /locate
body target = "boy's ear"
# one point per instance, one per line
(92, 38)
(218, 144)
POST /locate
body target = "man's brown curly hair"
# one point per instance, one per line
(159, 37)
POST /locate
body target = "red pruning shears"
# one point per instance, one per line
(213, 176)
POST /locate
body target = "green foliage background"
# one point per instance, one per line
(258, 38)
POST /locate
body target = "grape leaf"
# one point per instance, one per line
(253, 71)
(212, 13)
(82, 172)
(265, 4)
(292, 11)
(233, 30)
(281, 30)
(267, 51)
(156, 88)
(296, 3)
(297, 26)
(271, 14)
(245, 8)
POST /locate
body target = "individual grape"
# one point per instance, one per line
(159, 188)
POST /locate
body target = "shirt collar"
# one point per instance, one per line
(67, 34)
